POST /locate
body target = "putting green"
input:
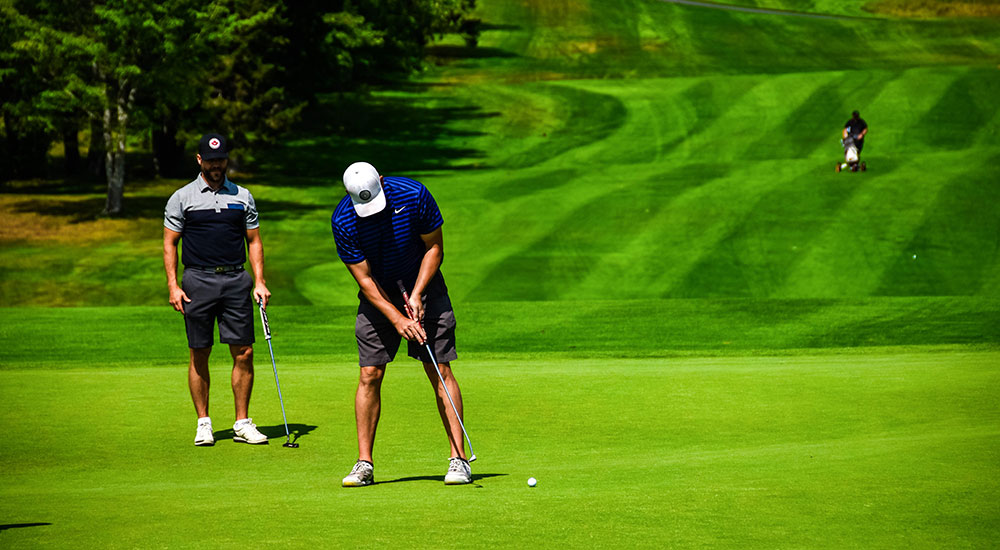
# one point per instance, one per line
(797, 451)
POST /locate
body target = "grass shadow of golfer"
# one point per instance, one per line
(272, 432)
(475, 478)
(5, 526)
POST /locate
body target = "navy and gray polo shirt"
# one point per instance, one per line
(213, 224)
(389, 240)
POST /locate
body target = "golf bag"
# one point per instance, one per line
(851, 159)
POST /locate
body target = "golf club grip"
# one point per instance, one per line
(406, 305)
(263, 320)
(406, 300)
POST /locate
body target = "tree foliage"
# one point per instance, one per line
(105, 60)
(173, 69)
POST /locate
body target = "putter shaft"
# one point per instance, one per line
(430, 353)
(274, 367)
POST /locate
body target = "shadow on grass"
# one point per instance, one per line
(140, 172)
(464, 52)
(475, 478)
(276, 432)
(499, 27)
(5, 526)
(398, 132)
(89, 209)
(59, 186)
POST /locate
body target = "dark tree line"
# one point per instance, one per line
(167, 70)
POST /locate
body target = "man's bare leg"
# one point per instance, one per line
(367, 408)
(451, 425)
(199, 379)
(242, 378)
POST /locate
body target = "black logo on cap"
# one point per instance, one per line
(365, 195)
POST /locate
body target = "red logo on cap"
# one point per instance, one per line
(214, 143)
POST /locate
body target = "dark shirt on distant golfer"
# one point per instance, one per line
(389, 240)
(214, 223)
(854, 127)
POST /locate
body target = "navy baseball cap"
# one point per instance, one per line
(213, 146)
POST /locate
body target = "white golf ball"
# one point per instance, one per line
(532, 482)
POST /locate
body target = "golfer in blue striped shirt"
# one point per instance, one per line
(388, 229)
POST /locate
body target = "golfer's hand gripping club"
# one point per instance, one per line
(410, 313)
(263, 319)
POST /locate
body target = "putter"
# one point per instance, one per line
(430, 352)
(267, 336)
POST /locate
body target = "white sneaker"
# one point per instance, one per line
(459, 472)
(245, 431)
(362, 474)
(204, 437)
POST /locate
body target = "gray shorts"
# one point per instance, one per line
(222, 297)
(378, 340)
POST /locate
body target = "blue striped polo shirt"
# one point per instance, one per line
(212, 224)
(389, 240)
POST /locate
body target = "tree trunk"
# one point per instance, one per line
(115, 123)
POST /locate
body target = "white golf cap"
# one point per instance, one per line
(365, 188)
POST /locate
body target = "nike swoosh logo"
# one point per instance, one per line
(398, 210)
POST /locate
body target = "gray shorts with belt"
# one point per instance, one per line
(378, 340)
(223, 297)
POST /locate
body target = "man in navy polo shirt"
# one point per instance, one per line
(217, 220)
(388, 229)
(857, 128)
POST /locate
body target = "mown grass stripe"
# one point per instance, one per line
(959, 229)
(697, 221)
(758, 255)
(744, 9)
(869, 232)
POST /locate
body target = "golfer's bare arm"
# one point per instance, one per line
(255, 249)
(177, 295)
(409, 329)
(434, 255)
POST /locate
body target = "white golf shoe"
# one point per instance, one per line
(204, 437)
(245, 431)
(362, 474)
(459, 472)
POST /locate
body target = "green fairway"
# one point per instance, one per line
(672, 311)
(617, 150)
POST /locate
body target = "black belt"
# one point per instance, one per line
(216, 269)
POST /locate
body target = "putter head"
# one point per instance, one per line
(472, 458)
(291, 445)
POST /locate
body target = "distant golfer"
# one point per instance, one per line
(217, 220)
(388, 229)
(857, 128)
(853, 139)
